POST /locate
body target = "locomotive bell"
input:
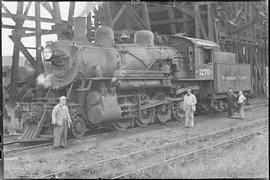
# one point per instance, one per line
(125, 34)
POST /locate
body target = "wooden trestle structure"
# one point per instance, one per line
(239, 27)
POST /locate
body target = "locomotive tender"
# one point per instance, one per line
(123, 85)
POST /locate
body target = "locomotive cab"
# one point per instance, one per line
(198, 57)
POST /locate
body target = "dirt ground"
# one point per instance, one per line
(38, 162)
(245, 160)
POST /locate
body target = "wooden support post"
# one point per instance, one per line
(71, 11)
(56, 10)
(15, 59)
(197, 26)
(38, 36)
(171, 18)
(29, 57)
(210, 22)
(146, 16)
(108, 9)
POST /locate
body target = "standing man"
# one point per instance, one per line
(189, 108)
(230, 100)
(241, 104)
(61, 121)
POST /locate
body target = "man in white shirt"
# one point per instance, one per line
(189, 106)
(241, 103)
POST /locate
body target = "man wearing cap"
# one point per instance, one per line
(61, 121)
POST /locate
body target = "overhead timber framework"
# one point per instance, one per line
(238, 27)
(60, 27)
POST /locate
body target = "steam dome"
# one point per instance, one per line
(144, 37)
(104, 36)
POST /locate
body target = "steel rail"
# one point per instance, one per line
(211, 147)
(154, 147)
(90, 136)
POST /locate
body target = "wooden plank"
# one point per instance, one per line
(25, 132)
(40, 124)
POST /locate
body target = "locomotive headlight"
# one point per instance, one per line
(47, 53)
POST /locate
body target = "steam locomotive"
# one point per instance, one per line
(127, 85)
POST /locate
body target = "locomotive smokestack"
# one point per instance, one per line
(80, 29)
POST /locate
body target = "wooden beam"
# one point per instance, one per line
(135, 16)
(108, 8)
(7, 11)
(25, 52)
(15, 59)
(38, 35)
(56, 10)
(48, 7)
(25, 28)
(27, 8)
(197, 28)
(71, 11)
(199, 21)
(177, 20)
(210, 22)
(32, 18)
(119, 13)
(186, 11)
(172, 17)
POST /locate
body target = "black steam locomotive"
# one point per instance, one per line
(124, 85)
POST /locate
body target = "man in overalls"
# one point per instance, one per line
(61, 121)
(189, 106)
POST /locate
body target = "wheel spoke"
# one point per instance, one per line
(78, 127)
(163, 112)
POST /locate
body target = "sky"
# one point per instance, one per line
(7, 44)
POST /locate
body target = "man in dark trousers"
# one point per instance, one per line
(231, 98)
(61, 121)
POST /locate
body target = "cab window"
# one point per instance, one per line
(208, 59)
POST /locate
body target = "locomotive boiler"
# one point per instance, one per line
(127, 85)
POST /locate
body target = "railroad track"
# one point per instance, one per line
(193, 153)
(156, 151)
(18, 149)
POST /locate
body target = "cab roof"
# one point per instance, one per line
(199, 42)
